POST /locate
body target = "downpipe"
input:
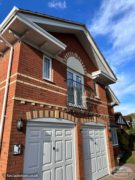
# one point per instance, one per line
(3, 114)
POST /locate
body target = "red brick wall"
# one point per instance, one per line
(28, 63)
(9, 110)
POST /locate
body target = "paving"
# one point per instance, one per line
(125, 172)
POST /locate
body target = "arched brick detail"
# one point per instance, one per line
(56, 114)
(50, 114)
(72, 54)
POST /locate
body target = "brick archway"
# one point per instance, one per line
(75, 55)
(57, 114)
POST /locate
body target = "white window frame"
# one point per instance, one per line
(50, 78)
(114, 137)
(75, 96)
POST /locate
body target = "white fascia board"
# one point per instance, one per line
(101, 58)
(53, 22)
(98, 73)
(116, 101)
(42, 32)
(8, 18)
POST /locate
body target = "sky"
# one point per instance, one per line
(112, 25)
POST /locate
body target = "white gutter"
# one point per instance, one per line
(2, 121)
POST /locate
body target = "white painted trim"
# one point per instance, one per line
(42, 32)
(4, 105)
(75, 157)
(52, 121)
(93, 124)
(107, 151)
(75, 98)
(9, 17)
(116, 101)
(98, 73)
(37, 102)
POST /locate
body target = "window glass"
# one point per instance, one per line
(75, 88)
(79, 90)
(47, 68)
(70, 87)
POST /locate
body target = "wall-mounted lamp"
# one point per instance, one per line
(19, 124)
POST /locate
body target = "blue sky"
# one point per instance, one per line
(112, 24)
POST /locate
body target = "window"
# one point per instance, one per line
(47, 68)
(96, 90)
(114, 136)
(75, 88)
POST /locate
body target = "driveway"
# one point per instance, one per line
(125, 172)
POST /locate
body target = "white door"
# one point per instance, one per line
(95, 156)
(49, 153)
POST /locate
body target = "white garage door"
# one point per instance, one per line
(95, 156)
(49, 152)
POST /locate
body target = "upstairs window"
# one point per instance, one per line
(114, 137)
(75, 88)
(47, 68)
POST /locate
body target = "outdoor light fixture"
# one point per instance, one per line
(20, 124)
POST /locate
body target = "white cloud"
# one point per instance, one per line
(125, 108)
(57, 4)
(116, 20)
(125, 85)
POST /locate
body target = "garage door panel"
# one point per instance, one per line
(95, 156)
(32, 165)
(69, 150)
(47, 153)
(34, 133)
(50, 153)
(47, 133)
(93, 165)
(91, 148)
(47, 175)
(69, 172)
(68, 133)
(59, 173)
(99, 163)
(58, 133)
(104, 161)
(58, 151)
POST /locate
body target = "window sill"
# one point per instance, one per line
(97, 98)
(49, 81)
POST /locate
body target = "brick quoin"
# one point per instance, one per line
(26, 83)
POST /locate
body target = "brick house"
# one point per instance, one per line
(56, 106)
